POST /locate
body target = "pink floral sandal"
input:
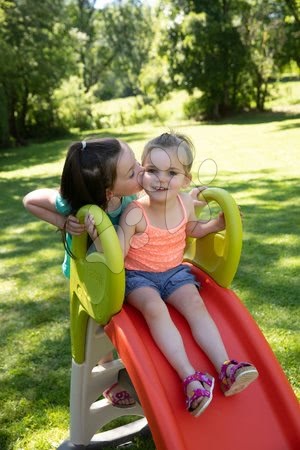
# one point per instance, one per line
(236, 378)
(120, 399)
(204, 394)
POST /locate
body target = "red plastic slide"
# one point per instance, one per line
(263, 417)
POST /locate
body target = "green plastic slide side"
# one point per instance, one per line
(97, 281)
(218, 254)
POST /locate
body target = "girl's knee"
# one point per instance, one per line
(195, 303)
(154, 309)
(195, 311)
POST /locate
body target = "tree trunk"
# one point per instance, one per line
(4, 128)
(22, 116)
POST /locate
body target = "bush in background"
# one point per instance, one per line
(74, 104)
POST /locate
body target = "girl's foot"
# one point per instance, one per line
(235, 377)
(198, 390)
(118, 397)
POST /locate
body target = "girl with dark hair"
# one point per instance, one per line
(97, 171)
(103, 172)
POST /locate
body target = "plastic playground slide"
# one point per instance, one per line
(263, 417)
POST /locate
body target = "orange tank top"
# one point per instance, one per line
(157, 249)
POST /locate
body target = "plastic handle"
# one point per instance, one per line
(219, 254)
(110, 244)
(233, 230)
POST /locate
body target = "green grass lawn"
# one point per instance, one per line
(255, 157)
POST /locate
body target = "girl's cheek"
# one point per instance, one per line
(147, 180)
(140, 177)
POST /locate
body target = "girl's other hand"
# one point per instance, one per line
(90, 226)
(91, 229)
(73, 226)
(194, 193)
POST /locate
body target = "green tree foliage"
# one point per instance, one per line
(46, 45)
(269, 32)
(126, 40)
(86, 29)
(154, 81)
(113, 44)
(35, 57)
(206, 52)
(73, 105)
(290, 48)
(226, 51)
(229, 49)
(261, 34)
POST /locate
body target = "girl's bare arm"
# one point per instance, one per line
(131, 216)
(41, 203)
(200, 228)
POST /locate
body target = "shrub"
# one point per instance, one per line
(74, 104)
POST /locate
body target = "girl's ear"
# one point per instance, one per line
(109, 194)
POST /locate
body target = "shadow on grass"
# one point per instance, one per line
(35, 382)
(12, 211)
(270, 188)
(271, 246)
(289, 126)
(31, 155)
(48, 152)
(252, 118)
(36, 387)
(13, 190)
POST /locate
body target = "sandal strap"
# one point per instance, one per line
(115, 398)
(197, 376)
(232, 371)
(197, 394)
(108, 391)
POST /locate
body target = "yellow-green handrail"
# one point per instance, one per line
(218, 254)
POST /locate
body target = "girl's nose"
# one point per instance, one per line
(163, 177)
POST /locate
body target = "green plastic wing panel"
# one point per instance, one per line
(218, 254)
(97, 281)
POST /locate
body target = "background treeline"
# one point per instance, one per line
(59, 59)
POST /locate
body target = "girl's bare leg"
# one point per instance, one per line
(189, 303)
(164, 333)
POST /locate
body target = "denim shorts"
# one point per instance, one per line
(164, 282)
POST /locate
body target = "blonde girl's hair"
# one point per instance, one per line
(179, 142)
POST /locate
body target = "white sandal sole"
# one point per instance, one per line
(243, 379)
